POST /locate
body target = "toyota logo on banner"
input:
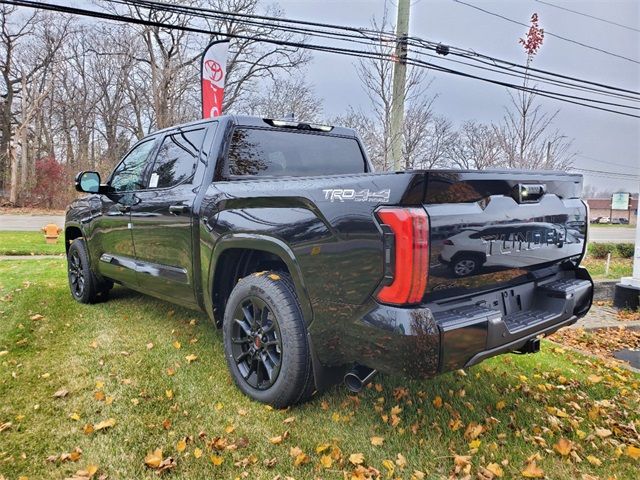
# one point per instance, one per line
(213, 75)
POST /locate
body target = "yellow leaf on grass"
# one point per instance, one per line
(295, 451)
(191, 358)
(323, 447)
(181, 446)
(216, 460)
(563, 447)
(356, 458)
(99, 395)
(401, 461)
(594, 460)
(301, 459)
(110, 422)
(377, 441)
(495, 469)
(633, 452)
(475, 444)
(501, 405)
(169, 394)
(326, 461)
(229, 429)
(437, 402)
(154, 459)
(389, 466)
(594, 378)
(176, 344)
(197, 452)
(532, 471)
(99, 384)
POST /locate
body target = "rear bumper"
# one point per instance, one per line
(435, 338)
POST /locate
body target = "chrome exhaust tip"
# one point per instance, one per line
(359, 377)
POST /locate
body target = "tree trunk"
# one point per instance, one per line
(13, 188)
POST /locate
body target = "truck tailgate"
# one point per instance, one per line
(491, 229)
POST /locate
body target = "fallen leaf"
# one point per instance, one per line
(37, 316)
(191, 358)
(176, 345)
(532, 471)
(197, 453)
(501, 405)
(377, 441)
(110, 422)
(437, 402)
(169, 394)
(603, 432)
(153, 459)
(594, 378)
(356, 458)
(181, 446)
(63, 392)
(495, 469)
(289, 420)
(633, 452)
(563, 447)
(301, 459)
(149, 346)
(594, 460)
(216, 460)
(326, 461)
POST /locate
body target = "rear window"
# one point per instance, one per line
(258, 152)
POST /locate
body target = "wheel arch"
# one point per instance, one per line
(71, 232)
(238, 255)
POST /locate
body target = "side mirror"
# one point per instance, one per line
(88, 182)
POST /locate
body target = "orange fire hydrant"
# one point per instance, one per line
(51, 232)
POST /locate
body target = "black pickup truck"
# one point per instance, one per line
(318, 269)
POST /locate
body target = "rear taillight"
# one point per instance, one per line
(410, 227)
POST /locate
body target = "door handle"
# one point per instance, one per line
(178, 209)
(124, 208)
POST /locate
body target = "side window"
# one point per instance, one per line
(177, 158)
(129, 174)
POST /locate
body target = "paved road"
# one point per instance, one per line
(29, 222)
(36, 222)
(612, 234)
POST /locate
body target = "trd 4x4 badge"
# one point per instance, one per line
(366, 195)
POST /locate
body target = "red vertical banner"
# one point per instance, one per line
(213, 73)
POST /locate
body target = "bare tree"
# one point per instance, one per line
(170, 58)
(27, 51)
(475, 146)
(280, 97)
(526, 134)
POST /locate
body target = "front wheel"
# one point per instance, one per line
(83, 283)
(265, 340)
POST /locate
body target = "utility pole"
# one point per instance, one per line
(399, 81)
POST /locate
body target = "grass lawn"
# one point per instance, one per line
(611, 225)
(619, 267)
(29, 243)
(126, 360)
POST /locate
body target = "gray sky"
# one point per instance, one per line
(605, 141)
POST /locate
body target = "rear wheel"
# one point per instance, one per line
(464, 265)
(265, 340)
(84, 284)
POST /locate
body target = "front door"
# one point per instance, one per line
(162, 218)
(111, 234)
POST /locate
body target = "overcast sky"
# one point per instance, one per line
(605, 141)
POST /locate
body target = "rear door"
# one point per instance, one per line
(162, 216)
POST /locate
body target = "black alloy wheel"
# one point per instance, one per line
(76, 274)
(265, 340)
(256, 343)
(85, 285)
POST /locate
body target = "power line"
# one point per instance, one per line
(589, 16)
(324, 48)
(367, 36)
(560, 37)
